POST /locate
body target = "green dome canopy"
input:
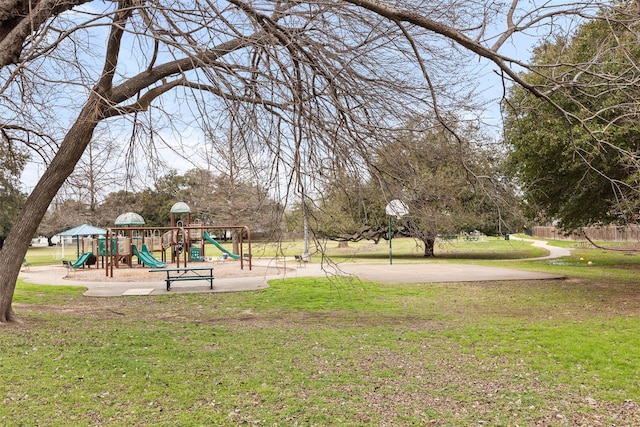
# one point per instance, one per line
(180, 208)
(129, 218)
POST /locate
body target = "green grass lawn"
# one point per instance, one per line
(404, 250)
(329, 351)
(45, 255)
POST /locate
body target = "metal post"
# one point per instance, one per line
(390, 238)
(398, 209)
(305, 220)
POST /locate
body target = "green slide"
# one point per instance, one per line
(217, 245)
(147, 259)
(80, 261)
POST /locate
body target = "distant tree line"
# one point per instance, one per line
(213, 199)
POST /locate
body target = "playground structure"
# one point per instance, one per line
(178, 244)
(156, 247)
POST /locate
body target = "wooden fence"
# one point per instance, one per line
(611, 233)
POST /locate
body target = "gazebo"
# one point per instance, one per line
(83, 230)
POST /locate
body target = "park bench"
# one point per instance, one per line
(185, 273)
(302, 259)
(69, 266)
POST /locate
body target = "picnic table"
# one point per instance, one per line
(185, 273)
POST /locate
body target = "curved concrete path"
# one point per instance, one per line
(554, 251)
(378, 272)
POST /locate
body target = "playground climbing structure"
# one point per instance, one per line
(156, 247)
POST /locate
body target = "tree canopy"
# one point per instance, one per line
(212, 199)
(450, 185)
(578, 165)
(13, 159)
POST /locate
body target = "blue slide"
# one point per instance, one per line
(147, 259)
(80, 261)
(217, 245)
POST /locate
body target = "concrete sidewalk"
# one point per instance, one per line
(378, 272)
(554, 251)
(439, 273)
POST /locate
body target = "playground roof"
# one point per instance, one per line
(83, 230)
(129, 218)
(180, 207)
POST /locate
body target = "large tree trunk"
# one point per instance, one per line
(62, 165)
(429, 244)
(24, 228)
